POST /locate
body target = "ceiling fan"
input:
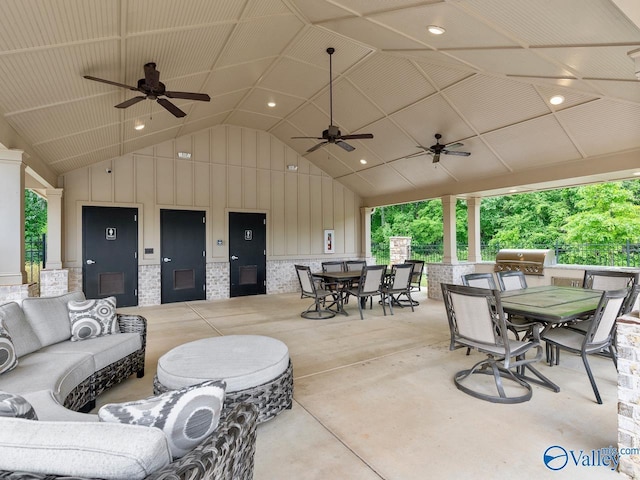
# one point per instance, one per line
(152, 88)
(439, 148)
(333, 134)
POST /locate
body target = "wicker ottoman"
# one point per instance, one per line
(257, 370)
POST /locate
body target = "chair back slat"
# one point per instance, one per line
(604, 318)
(474, 318)
(371, 278)
(479, 280)
(609, 279)
(418, 268)
(511, 280)
(306, 280)
(333, 266)
(401, 275)
(355, 265)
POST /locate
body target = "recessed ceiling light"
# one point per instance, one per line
(556, 100)
(435, 30)
(513, 190)
(363, 161)
(271, 104)
(139, 126)
(637, 174)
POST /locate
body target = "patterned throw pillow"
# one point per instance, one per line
(8, 357)
(92, 318)
(15, 406)
(187, 416)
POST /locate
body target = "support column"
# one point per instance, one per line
(12, 271)
(449, 220)
(366, 213)
(54, 229)
(473, 229)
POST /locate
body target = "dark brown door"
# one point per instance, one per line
(182, 255)
(110, 253)
(248, 253)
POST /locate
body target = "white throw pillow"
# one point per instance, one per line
(92, 318)
(187, 416)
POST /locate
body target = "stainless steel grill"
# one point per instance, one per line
(528, 261)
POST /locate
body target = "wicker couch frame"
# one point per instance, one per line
(228, 454)
(269, 398)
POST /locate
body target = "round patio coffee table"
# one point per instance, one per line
(257, 370)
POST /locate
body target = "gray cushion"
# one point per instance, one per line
(91, 450)
(186, 416)
(242, 361)
(24, 338)
(92, 318)
(105, 350)
(8, 357)
(49, 316)
(15, 406)
(46, 406)
(60, 372)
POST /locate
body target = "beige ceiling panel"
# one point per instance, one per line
(603, 126)
(388, 142)
(420, 170)
(328, 163)
(535, 143)
(202, 124)
(37, 24)
(157, 121)
(351, 160)
(248, 40)
(432, 57)
(64, 119)
(391, 82)
(263, 8)
(152, 15)
(624, 90)
(236, 77)
(257, 101)
(558, 23)
(490, 103)
(295, 78)
(319, 10)
(433, 115)
(310, 120)
(596, 62)
(79, 144)
(571, 97)
(351, 109)
(357, 184)
(311, 47)
(284, 131)
(384, 180)
(252, 120)
(365, 7)
(177, 53)
(136, 144)
(444, 76)
(368, 32)
(462, 30)
(575, 85)
(217, 105)
(43, 77)
(482, 163)
(511, 61)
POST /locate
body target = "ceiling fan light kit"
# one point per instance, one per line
(153, 89)
(332, 134)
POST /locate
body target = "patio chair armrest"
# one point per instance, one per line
(133, 324)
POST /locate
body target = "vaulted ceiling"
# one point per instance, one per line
(486, 82)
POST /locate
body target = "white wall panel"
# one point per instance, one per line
(217, 222)
(291, 212)
(278, 245)
(234, 146)
(101, 183)
(249, 188)
(202, 184)
(184, 183)
(234, 187)
(165, 181)
(304, 217)
(124, 180)
(249, 145)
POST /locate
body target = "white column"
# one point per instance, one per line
(54, 229)
(473, 229)
(366, 213)
(12, 169)
(449, 220)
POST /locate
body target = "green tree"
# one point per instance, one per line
(35, 215)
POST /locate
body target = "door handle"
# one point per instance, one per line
(90, 262)
(233, 257)
(166, 259)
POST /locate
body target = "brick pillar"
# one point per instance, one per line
(399, 249)
(628, 343)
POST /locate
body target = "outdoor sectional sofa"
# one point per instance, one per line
(59, 379)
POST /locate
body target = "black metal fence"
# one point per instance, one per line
(611, 255)
(35, 255)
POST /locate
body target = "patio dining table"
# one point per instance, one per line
(343, 280)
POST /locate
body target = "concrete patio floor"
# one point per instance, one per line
(375, 399)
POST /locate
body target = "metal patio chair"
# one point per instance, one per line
(479, 280)
(369, 286)
(398, 283)
(311, 289)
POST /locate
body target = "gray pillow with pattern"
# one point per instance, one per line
(187, 416)
(8, 357)
(15, 406)
(92, 318)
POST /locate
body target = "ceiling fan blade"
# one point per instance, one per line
(131, 101)
(454, 152)
(356, 136)
(311, 138)
(436, 158)
(454, 145)
(345, 145)
(203, 97)
(316, 147)
(109, 82)
(171, 107)
(151, 76)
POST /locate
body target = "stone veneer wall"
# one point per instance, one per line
(54, 282)
(628, 343)
(282, 277)
(399, 249)
(16, 293)
(75, 279)
(218, 280)
(148, 285)
(438, 273)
